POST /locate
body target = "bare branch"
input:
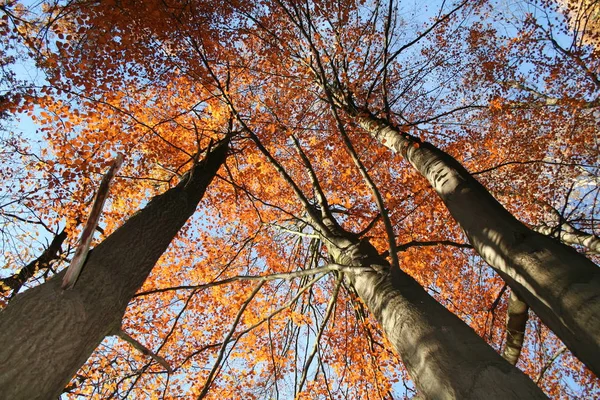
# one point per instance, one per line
(568, 234)
(328, 313)
(314, 180)
(143, 349)
(533, 162)
(16, 281)
(577, 59)
(76, 265)
(297, 233)
(217, 364)
(264, 278)
(414, 243)
(492, 309)
(369, 226)
(549, 364)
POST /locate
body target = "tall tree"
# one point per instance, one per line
(557, 282)
(560, 284)
(48, 333)
(430, 340)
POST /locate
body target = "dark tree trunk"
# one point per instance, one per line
(559, 284)
(47, 333)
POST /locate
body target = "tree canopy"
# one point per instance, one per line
(354, 132)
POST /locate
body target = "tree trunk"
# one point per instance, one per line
(48, 333)
(516, 321)
(445, 357)
(559, 284)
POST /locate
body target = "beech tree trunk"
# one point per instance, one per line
(445, 358)
(48, 333)
(559, 284)
(516, 322)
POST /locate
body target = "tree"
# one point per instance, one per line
(248, 301)
(67, 325)
(559, 284)
(583, 20)
(429, 339)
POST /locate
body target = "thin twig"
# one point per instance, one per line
(213, 371)
(262, 278)
(330, 307)
(549, 364)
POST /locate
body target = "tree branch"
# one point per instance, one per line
(76, 265)
(16, 281)
(415, 243)
(264, 278)
(568, 234)
(549, 364)
(330, 307)
(215, 368)
(120, 333)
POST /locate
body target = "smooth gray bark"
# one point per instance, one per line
(47, 333)
(445, 358)
(559, 284)
(516, 321)
(568, 234)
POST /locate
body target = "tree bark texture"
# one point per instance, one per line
(516, 321)
(48, 333)
(568, 234)
(559, 284)
(445, 358)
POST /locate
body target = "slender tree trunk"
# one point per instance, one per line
(516, 321)
(445, 358)
(559, 284)
(47, 333)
